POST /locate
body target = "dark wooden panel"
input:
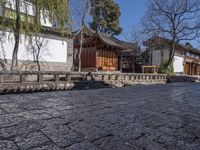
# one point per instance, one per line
(88, 58)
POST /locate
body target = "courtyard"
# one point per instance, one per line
(155, 117)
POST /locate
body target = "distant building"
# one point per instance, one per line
(103, 52)
(186, 60)
(56, 50)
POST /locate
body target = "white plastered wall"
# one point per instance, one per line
(52, 50)
(178, 64)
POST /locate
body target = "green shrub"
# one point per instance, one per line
(167, 69)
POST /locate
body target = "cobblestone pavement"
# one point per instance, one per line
(156, 117)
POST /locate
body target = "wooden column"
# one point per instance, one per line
(97, 57)
(190, 68)
(133, 64)
(121, 63)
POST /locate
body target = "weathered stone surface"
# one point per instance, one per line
(8, 145)
(46, 147)
(19, 129)
(83, 146)
(155, 117)
(31, 140)
(61, 135)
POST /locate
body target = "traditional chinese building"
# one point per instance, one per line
(103, 52)
(186, 60)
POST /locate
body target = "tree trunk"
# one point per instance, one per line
(133, 64)
(39, 46)
(38, 64)
(37, 14)
(80, 50)
(172, 53)
(17, 37)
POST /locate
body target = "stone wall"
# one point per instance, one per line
(183, 78)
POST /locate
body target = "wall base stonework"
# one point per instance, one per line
(34, 87)
(45, 66)
(182, 78)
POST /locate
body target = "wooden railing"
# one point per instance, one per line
(150, 69)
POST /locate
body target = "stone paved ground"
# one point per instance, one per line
(154, 117)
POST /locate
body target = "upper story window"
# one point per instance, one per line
(190, 54)
(26, 6)
(27, 10)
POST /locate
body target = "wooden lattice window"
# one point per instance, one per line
(107, 58)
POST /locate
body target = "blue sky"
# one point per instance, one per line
(131, 13)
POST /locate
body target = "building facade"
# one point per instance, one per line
(186, 60)
(56, 51)
(102, 52)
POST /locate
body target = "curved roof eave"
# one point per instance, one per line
(114, 44)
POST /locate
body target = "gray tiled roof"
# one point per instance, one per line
(157, 40)
(110, 40)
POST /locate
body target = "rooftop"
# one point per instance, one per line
(107, 38)
(157, 40)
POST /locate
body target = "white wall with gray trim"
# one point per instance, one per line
(159, 57)
(54, 49)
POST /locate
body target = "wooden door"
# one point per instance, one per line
(187, 69)
(107, 60)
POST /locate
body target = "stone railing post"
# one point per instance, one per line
(116, 77)
(39, 77)
(56, 78)
(103, 77)
(22, 78)
(160, 77)
(126, 77)
(1, 78)
(148, 77)
(157, 77)
(68, 77)
(133, 78)
(109, 77)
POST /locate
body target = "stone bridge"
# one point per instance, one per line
(26, 81)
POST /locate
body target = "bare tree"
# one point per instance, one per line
(3, 59)
(81, 11)
(16, 29)
(136, 36)
(177, 20)
(36, 46)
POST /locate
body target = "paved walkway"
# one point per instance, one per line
(154, 117)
